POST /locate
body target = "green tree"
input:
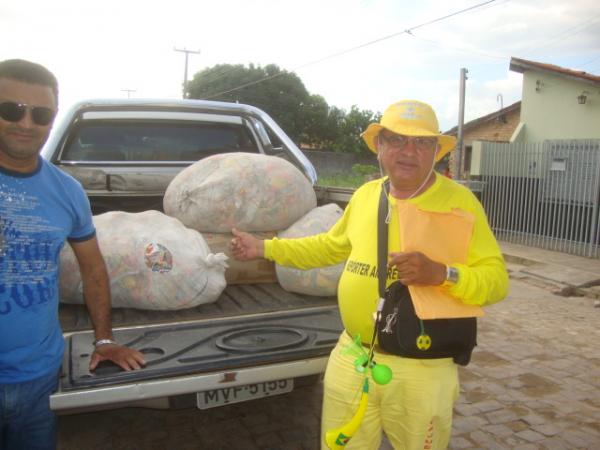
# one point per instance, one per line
(306, 118)
(348, 128)
(278, 92)
(313, 120)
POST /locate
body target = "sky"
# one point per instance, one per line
(368, 53)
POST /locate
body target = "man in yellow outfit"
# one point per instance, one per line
(440, 245)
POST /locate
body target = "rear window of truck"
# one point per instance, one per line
(175, 142)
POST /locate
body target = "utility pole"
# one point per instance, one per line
(185, 72)
(129, 91)
(458, 163)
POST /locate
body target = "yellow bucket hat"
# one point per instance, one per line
(409, 118)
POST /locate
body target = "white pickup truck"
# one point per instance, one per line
(256, 339)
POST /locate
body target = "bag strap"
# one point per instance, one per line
(382, 244)
(382, 238)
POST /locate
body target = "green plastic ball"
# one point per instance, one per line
(382, 374)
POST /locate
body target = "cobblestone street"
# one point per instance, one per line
(533, 383)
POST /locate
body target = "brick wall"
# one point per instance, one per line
(495, 130)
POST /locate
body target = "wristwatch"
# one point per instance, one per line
(451, 275)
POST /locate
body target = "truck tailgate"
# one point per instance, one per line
(208, 345)
(253, 333)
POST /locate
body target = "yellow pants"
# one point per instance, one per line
(414, 408)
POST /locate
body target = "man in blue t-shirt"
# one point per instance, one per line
(40, 208)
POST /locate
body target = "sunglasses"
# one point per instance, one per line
(14, 112)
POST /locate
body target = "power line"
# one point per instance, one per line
(389, 36)
(366, 44)
(567, 33)
(464, 50)
(222, 74)
(450, 15)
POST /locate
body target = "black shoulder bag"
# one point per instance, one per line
(399, 329)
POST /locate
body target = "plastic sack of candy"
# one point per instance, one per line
(153, 262)
(252, 192)
(321, 281)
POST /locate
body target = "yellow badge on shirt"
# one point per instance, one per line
(443, 237)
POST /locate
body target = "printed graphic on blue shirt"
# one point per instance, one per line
(38, 211)
(29, 245)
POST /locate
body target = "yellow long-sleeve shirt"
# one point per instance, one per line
(483, 279)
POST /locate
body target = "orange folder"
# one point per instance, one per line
(443, 237)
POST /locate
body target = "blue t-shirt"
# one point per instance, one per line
(38, 211)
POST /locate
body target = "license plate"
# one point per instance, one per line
(226, 396)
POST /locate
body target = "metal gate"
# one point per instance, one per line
(544, 194)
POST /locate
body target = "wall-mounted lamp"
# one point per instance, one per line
(581, 99)
(538, 85)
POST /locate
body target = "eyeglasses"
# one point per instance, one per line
(420, 143)
(14, 112)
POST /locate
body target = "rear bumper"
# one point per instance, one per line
(123, 394)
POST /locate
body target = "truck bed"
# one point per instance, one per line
(236, 300)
